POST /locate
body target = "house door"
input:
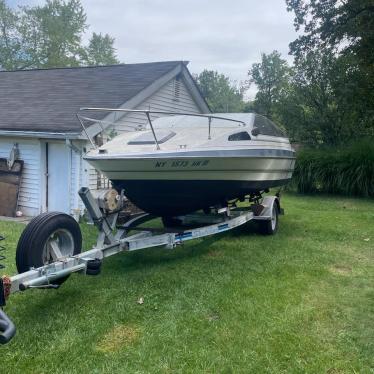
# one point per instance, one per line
(58, 167)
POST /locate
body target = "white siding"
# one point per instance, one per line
(91, 172)
(80, 177)
(30, 153)
(164, 100)
(93, 177)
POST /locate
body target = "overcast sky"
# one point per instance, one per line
(222, 35)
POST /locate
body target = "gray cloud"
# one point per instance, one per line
(222, 35)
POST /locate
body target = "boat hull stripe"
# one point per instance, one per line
(278, 153)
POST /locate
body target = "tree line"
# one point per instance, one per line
(50, 36)
(326, 97)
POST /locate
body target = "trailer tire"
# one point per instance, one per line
(32, 249)
(270, 227)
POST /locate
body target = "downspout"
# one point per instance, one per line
(76, 212)
(46, 176)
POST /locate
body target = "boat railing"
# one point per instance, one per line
(147, 114)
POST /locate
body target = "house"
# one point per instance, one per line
(38, 113)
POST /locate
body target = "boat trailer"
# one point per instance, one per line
(49, 249)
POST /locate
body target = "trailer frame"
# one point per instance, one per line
(113, 239)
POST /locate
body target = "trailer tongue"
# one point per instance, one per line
(49, 249)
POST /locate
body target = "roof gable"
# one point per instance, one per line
(46, 100)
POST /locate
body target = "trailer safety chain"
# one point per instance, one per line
(2, 248)
(5, 285)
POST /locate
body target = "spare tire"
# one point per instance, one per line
(34, 247)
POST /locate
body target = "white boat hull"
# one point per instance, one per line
(170, 185)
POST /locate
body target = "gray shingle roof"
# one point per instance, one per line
(47, 99)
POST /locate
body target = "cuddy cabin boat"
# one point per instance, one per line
(182, 163)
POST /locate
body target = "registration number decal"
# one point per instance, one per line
(181, 164)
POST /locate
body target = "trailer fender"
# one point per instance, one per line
(267, 220)
(268, 203)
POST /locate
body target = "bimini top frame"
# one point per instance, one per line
(147, 113)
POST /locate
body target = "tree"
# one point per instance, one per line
(347, 25)
(220, 93)
(308, 108)
(316, 107)
(306, 98)
(49, 36)
(10, 44)
(52, 33)
(101, 51)
(271, 77)
(344, 29)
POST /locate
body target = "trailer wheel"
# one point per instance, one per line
(47, 238)
(270, 227)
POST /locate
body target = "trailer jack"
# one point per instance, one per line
(7, 328)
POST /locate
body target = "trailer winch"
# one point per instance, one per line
(50, 247)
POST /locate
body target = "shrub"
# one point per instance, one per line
(347, 170)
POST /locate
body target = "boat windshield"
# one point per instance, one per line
(267, 127)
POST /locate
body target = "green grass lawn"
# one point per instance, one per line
(301, 301)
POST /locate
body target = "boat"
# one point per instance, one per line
(181, 163)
